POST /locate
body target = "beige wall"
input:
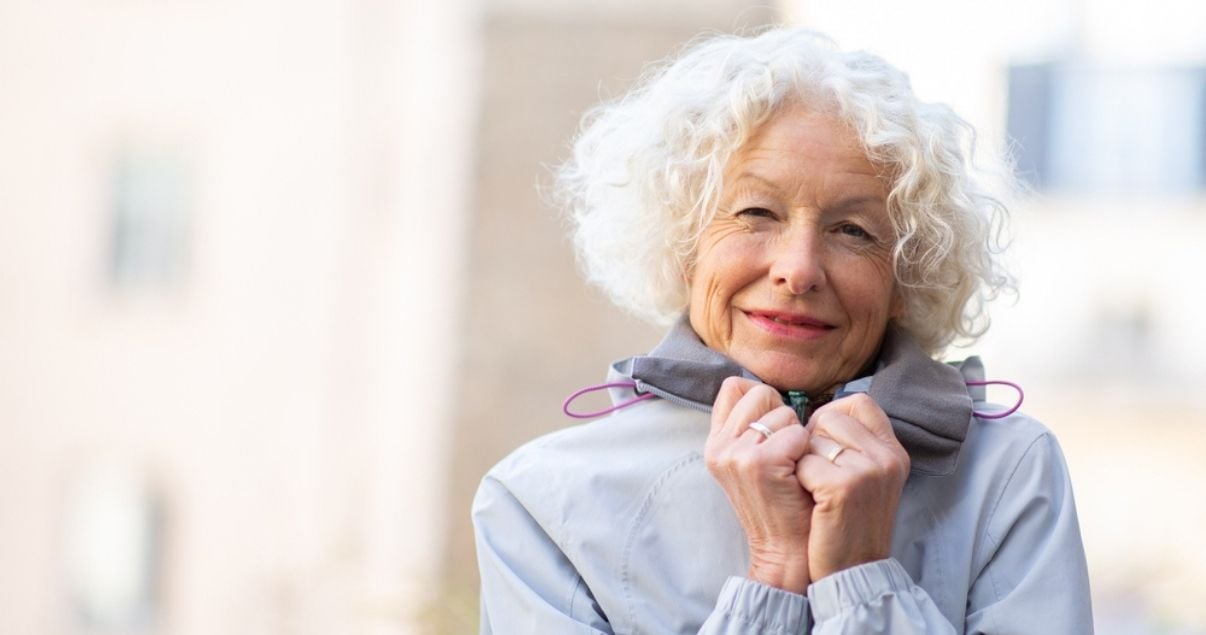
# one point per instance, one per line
(268, 396)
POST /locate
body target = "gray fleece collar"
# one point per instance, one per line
(927, 401)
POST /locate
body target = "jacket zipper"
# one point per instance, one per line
(798, 400)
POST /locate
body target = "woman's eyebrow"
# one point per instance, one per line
(853, 202)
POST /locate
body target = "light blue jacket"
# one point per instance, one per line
(616, 526)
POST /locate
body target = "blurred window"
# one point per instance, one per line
(1085, 129)
(113, 549)
(150, 215)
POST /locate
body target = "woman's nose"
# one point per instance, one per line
(798, 264)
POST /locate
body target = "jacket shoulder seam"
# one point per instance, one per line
(630, 539)
(993, 541)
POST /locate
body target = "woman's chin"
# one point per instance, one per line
(785, 379)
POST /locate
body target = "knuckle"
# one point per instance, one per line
(895, 467)
(763, 391)
(792, 433)
(718, 455)
(744, 462)
(732, 383)
(860, 399)
(881, 471)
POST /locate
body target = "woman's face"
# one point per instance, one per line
(793, 279)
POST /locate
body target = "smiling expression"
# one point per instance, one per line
(793, 277)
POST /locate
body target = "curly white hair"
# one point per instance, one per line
(646, 173)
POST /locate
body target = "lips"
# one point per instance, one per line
(790, 319)
(790, 325)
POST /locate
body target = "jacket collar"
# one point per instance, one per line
(926, 401)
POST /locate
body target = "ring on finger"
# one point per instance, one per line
(833, 453)
(761, 428)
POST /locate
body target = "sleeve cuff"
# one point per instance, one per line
(769, 609)
(832, 594)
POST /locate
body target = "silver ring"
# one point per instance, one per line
(761, 427)
(832, 455)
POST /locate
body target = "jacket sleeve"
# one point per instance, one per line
(1031, 578)
(877, 597)
(530, 586)
(746, 607)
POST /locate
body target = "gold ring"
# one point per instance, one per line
(832, 455)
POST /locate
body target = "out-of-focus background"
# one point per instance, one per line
(277, 286)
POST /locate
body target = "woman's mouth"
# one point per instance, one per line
(794, 325)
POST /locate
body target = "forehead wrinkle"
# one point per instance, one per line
(747, 175)
(841, 184)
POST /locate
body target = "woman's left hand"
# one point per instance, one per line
(856, 471)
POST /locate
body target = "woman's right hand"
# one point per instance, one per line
(758, 474)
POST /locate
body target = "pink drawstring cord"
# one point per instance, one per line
(1006, 413)
(565, 406)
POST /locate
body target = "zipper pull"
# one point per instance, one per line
(798, 400)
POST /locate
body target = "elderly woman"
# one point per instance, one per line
(791, 458)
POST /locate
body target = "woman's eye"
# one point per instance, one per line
(853, 230)
(757, 212)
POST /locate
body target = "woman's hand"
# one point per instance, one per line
(855, 471)
(758, 474)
